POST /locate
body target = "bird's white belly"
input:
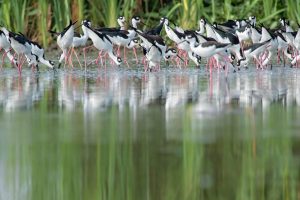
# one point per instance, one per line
(184, 46)
(4, 44)
(204, 51)
(154, 55)
(172, 35)
(19, 48)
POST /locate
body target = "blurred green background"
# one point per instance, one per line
(34, 18)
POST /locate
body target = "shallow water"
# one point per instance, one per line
(173, 134)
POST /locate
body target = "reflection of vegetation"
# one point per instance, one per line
(232, 156)
(28, 15)
(122, 150)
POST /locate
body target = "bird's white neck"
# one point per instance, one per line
(201, 28)
(85, 31)
(134, 23)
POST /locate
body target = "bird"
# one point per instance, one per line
(81, 41)
(65, 41)
(156, 30)
(39, 54)
(33, 52)
(253, 51)
(102, 42)
(21, 46)
(155, 50)
(208, 49)
(5, 45)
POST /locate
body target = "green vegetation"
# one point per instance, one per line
(28, 16)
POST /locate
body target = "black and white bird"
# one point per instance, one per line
(33, 52)
(22, 48)
(156, 30)
(5, 45)
(209, 49)
(286, 25)
(81, 41)
(155, 50)
(254, 51)
(65, 41)
(39, 54)
(102, 42)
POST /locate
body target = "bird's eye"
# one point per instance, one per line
(174, 51)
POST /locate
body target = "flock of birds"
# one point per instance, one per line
(229, 45)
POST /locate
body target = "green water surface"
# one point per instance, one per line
(125, 134)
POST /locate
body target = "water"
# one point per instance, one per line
(174, 134)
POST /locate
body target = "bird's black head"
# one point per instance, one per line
(162, 20)
(135, 41)
(199, 60)
(137, 18)
(202, 21)
(119, 60)
(86, 23)
(189, 37)
(172, 51)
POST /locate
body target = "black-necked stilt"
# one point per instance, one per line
(5, 45)
(33, 52)
(123, 37)
(155, 49)
(102, 42)
(254, 51)
(286, 25)
(39, 54)
(155, 54)
(177, 35)
(156, 30)
(272, 47)
(202, 23)
(206, 49)
(174, 35)
(22, 47)
(252, 20)
(234, 40)
(209, 49)
(81, 41)
(210, 31)
(255, 34)
(65, 41)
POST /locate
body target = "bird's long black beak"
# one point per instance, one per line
(180, 58)
(143, 23)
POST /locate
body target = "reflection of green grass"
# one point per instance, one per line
(110, 157)
(192, 161)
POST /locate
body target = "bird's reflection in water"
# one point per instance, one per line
(71, 135)
(171, 90)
